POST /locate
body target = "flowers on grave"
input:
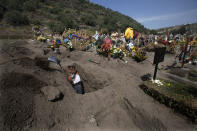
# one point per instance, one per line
(157, 82)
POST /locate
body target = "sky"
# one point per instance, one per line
(155, 14)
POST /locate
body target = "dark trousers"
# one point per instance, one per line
(79, 88)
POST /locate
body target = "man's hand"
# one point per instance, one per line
(69, 78)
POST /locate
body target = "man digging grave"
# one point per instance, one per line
(75, 80)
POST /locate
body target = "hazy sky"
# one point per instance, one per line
(155, 14)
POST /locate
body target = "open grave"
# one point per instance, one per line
(90, 82)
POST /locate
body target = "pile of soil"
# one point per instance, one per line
(18, 51)
(24, 62)
(41, 62)
(18, 90)
(17, 48)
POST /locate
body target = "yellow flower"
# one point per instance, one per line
(169, 84)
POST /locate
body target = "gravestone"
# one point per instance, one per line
(159, 57)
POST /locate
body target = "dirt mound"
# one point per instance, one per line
(122, 115)
(90, 82)
(41, 62)
(24, 62)
(142, 119)
(17, 49)
(17, 103)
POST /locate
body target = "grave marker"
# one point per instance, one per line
(159, 57)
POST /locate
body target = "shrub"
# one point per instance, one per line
(55, 10)
(16, 18)
(67, 11)
(182, 30)
(31, 5)
(154, 32)
(67, 21)
(124, 25)
(55, 27)
(110, 23)
(58, 28)
(14, 4)
(110, 27)
(89, 20)
(36, 22)
(51, 24)
(1, 13)
(44, 1)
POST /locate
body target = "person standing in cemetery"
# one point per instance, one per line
(106, 47)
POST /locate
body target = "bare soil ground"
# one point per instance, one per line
(113, 99)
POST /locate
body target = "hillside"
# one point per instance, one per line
(58, 14)
(180, 29)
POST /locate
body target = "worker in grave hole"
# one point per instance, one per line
(74, 78)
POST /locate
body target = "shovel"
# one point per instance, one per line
(90, 60)
(55, 60)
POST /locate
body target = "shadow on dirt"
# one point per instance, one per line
(18, 90)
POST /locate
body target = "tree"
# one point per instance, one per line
(1, 12)
(110, 23)
(31, 5)
(56, 27)
(15, 4)
(36, 22)
(16, 18)
(55, 10)
(124, 26)
(181, 30)
(89, 20)
(67, 20)
(154, 32)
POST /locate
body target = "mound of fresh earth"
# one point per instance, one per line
(27, 62)
(17, 99)
(24, 62)
(17, 48)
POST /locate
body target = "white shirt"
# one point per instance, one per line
(77, 79)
